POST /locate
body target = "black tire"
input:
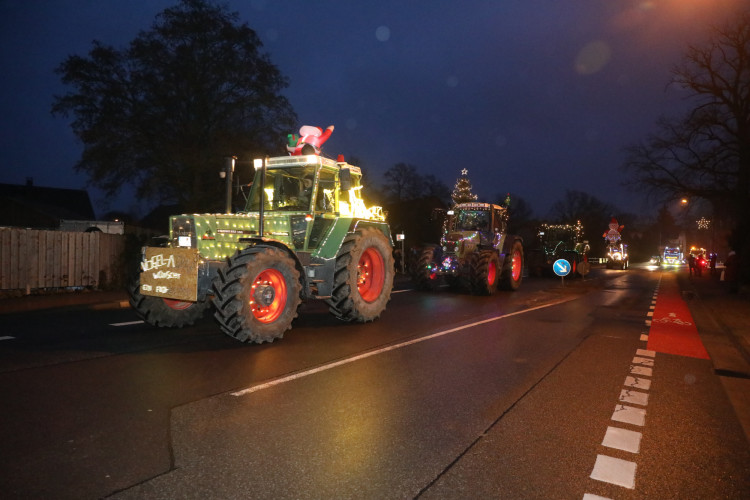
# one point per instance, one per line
(363, 278)
(258, 294)
(161, 312)
(484, 273)
(513, 268)
(425, 277)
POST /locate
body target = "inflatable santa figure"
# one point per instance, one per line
(613, 235)
(309, 141)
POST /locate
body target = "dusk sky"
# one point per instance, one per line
(533, 97)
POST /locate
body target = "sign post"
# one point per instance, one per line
(401, 237)
(562, 269)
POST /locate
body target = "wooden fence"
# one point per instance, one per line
(32, 259)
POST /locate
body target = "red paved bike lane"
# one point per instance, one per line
(672, 329)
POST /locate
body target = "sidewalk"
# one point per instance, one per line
(84, 298)
(723, 322)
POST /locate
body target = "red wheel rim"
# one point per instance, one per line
(491, 272)
(370, 275)
(515, 266)
(177, 305)
(268, 296)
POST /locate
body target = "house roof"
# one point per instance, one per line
(26, 205)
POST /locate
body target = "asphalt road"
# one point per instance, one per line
(520, 395)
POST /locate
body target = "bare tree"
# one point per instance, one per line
(706, 154)
(403, 182)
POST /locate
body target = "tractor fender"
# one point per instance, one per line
(510, 240)
(267, 242)
(383, 227)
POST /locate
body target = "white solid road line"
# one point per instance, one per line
(352, 359)
(127, 323)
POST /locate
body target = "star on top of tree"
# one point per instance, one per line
(465, 172)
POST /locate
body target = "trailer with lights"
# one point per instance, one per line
(305, 233)
(475, 252)
(554, 242)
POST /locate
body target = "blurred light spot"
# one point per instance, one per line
(383, 33)
(351, 124)
(690, 379)
(593, 57)
(647, 5)
(452, 81)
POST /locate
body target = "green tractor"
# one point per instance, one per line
(305, 233)
(475, 252)
(557, 241)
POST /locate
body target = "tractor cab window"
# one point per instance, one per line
(473, 220)
(286, 189)
(325, 197)
(498, 221)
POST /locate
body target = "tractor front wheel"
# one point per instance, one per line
(425, 275)
(363, 276)
(257, 295)
(485, 271)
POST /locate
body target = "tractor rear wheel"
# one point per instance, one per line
(363, 277)
(485, 272)
(513, 268)
(257, 295)
(163, 312)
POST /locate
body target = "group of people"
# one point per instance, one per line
(696, 263)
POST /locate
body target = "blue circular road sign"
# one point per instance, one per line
(561, 267)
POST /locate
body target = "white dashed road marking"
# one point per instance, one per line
(643, 361)
(634, 397)
(622, 439)
(589, 496)
(7, 337)
(615, 471)
(629, 415)
(641, 370)
(638, 383)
